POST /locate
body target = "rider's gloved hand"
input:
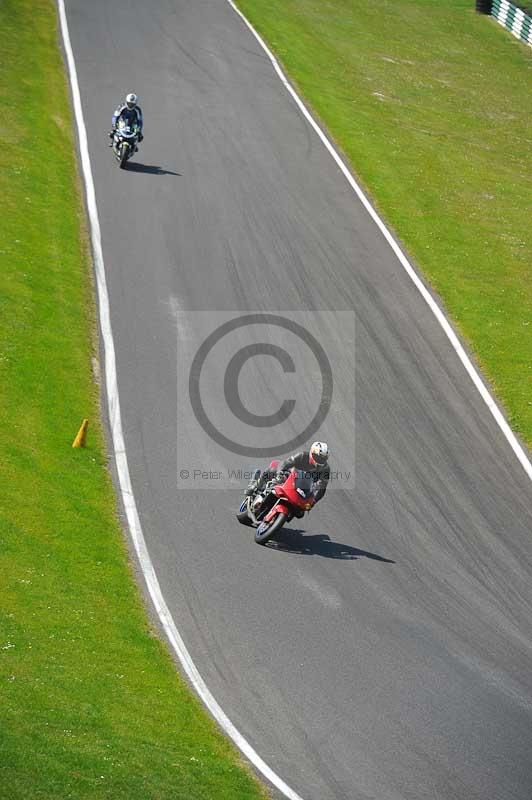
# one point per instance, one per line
(141, 137)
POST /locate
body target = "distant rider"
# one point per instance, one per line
(131, 113)
(313, 462)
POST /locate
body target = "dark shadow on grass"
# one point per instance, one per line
(134, 166)
(290, 540)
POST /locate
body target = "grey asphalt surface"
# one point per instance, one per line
(383, 648)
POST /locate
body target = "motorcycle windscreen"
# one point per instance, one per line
(303, 484)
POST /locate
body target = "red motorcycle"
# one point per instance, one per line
(276, 503)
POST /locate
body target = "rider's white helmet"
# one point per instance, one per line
(131, 100)
(318, 454)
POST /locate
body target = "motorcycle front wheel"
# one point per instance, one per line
(123, 154)
(266, 530)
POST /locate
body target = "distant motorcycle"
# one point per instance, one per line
(276, 503)
(125, 140)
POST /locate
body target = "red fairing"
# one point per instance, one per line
(279, 508)
(288, 490)
(288, 498)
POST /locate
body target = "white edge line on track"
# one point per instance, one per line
(115, 419)
(115, 422)
(438, 313)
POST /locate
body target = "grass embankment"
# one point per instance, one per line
(431, 104)
(91, 705)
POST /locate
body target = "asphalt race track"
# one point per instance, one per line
(382, 648)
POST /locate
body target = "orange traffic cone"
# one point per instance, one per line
(81, 438)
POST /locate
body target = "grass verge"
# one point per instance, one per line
(431, 104)
(91, 704)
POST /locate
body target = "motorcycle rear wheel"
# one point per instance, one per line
(266, 530)
(243, 518)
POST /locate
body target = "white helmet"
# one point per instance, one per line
(131, 100)
(318, 454)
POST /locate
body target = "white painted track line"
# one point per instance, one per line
(114, 403)
(115, 422)
(438, 313)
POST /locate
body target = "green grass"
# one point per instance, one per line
(91, 705)
(431, 104)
